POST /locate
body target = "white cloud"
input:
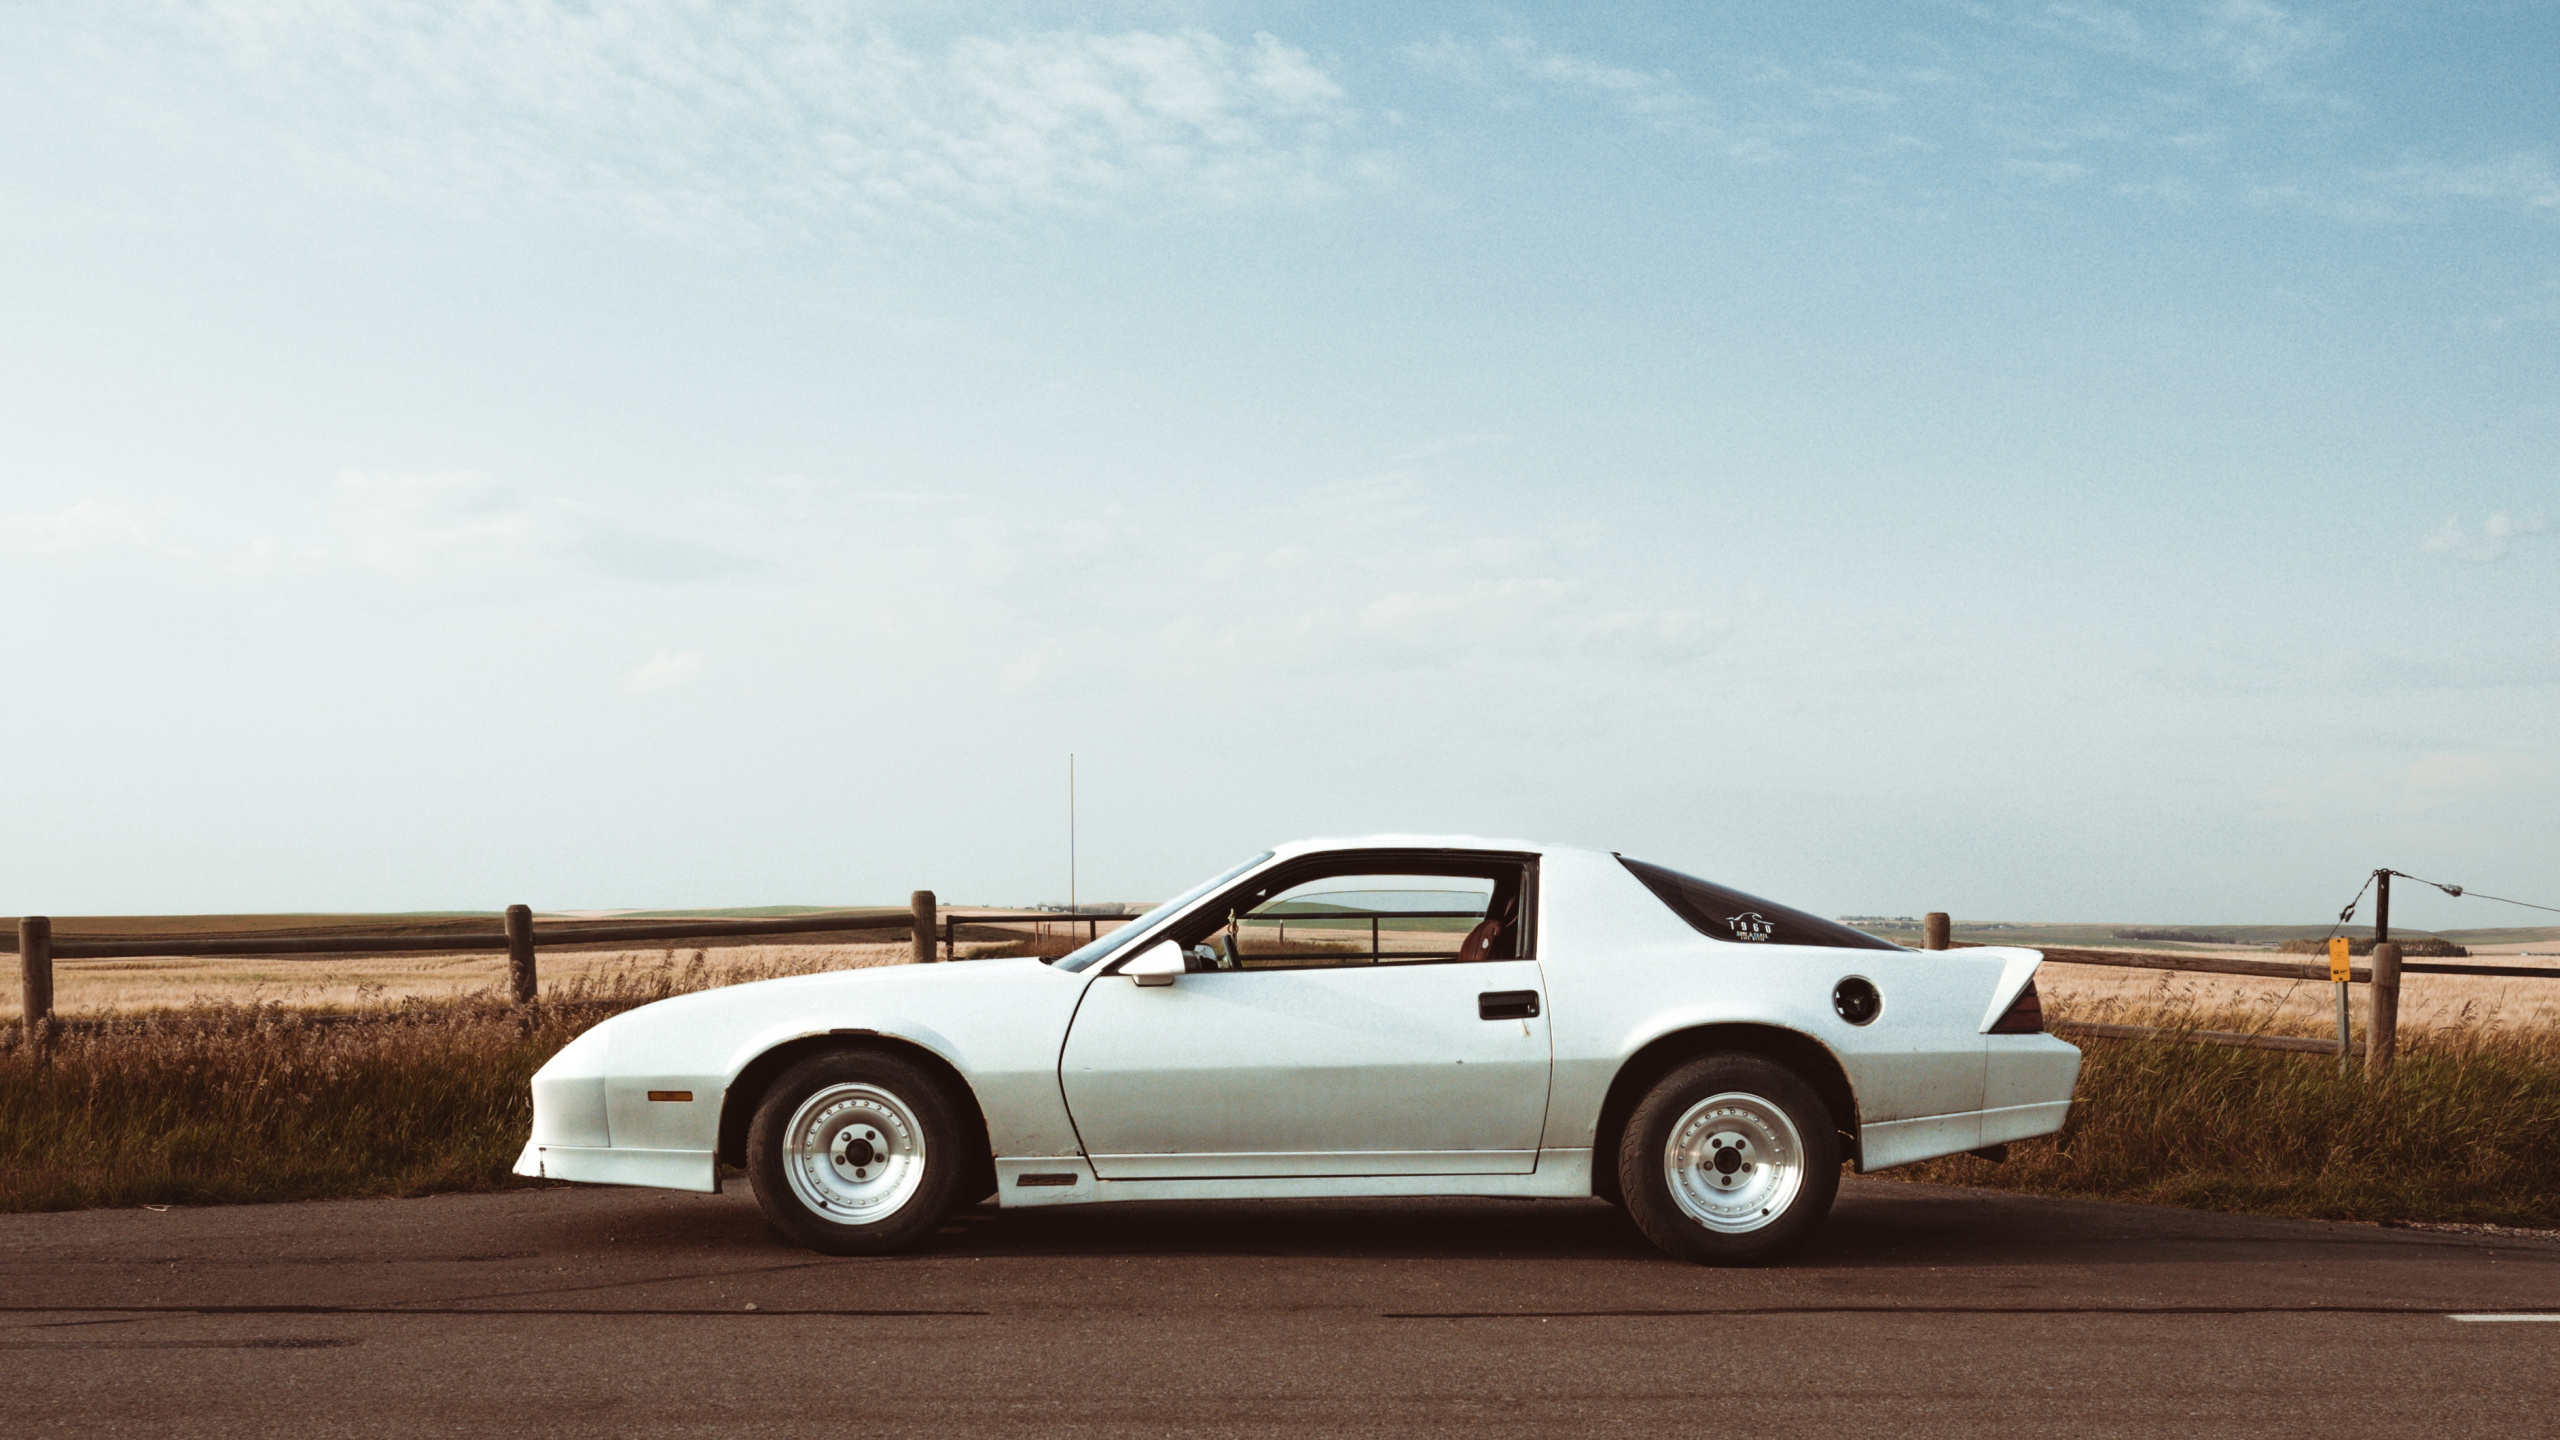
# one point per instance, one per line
(1642, 92)
(2051, 172)
(413, 525)
(2445, 778)
(1446, 443)
(1655, 95)
(82, 526)
(2486, 543)
(451, 532)
(461, 524)
(2167, 187)
(759, 117)
(2420, 189)
(1390, 591)
(2523, 180)
(2254, 40)
(664, 671)
(2250, 42)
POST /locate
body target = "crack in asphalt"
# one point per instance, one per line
(418, 1308)
(1936, 1310)
(285, 1343)
(635, 1283)
(1738, 1312)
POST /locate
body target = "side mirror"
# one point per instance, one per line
(1156, 966)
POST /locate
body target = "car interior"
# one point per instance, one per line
(1368, 908)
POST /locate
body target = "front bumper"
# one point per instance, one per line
(696, 1170)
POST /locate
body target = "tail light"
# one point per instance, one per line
(2025, 1015)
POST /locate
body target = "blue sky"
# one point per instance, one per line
(2032, 460)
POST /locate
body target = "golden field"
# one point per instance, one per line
(92, 989)
(96, 989)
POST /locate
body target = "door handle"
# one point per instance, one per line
(1507, 1005)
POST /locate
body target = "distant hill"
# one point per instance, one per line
(2363, 945)
(2091, 936)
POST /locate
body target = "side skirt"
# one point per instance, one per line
(1023, 1181)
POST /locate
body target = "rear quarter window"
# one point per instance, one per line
(1720, 913)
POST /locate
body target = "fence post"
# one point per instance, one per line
(520, 975)
(2382, 1027)
(922, 904)
(35, 969)
(1934, 930)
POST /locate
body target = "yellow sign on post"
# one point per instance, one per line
(2338, 960)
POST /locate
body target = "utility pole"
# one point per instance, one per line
(2382, 1026)
(1071, 832)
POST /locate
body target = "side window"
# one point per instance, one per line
(1324, 917)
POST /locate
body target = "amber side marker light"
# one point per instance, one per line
(670, 1094)
(2025, 1015)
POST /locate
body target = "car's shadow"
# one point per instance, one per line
(1365, 1229)
(1876, 1225)
(1873, 1226)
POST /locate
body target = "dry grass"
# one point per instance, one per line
(2466, 1128)
(231, 1101)
(230, 1094)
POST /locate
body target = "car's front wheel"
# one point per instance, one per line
(858, 1152)
(1729, 1160)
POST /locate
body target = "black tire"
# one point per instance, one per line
(885, 1152)
(1732, 1158)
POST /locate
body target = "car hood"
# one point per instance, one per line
(944, 1007)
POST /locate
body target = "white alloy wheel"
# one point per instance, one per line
(1734, 1162)
(855, 1154)
(860, 1152)
(1729, 1159)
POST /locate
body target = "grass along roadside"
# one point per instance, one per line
(230, 1102)
(222, 1102)
(2465, 1128)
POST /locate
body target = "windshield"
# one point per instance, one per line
(1110, 945)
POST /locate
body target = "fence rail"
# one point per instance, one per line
(519, 936)
(937, 934)
(1040, 920)
(2380, 977)
(2271, 969)
(555, 935)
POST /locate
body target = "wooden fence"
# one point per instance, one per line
(2380, 976)
(934, 933)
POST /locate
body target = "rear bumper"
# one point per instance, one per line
(696, 1170)
(2027, 1087)
(2023, 1122)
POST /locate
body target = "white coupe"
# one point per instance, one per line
(1392, 1016)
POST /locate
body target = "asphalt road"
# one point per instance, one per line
(1918, 1311)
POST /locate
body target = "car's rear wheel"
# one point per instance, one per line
(858, 1152)
(1729, 1160)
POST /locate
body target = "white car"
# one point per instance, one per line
(1391, 1016)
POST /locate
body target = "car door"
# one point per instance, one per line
(1312, 1058)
